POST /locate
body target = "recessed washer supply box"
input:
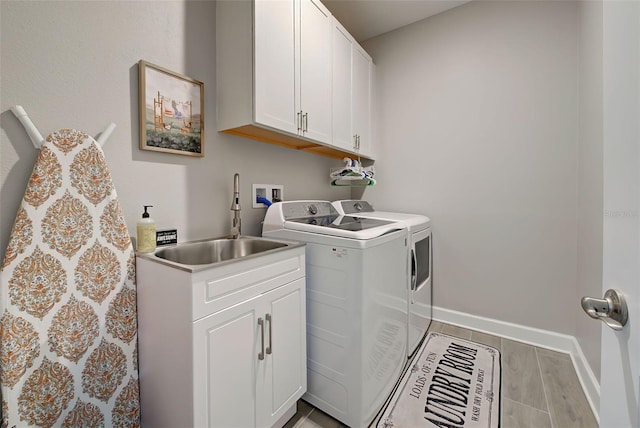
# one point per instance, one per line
(271, 192)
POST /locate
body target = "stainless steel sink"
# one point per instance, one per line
(218, 250)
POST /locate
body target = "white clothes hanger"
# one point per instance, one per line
(36, 137)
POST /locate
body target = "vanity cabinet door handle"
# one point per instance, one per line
(270, 347)
(305, 119)
(261, 324)
(299, 121)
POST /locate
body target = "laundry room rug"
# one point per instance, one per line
(451, 383)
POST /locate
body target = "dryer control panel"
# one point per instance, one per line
(355, 207)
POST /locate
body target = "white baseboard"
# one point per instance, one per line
(532, 336)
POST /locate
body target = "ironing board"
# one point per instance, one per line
(68, 322)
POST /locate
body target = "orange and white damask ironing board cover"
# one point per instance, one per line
(68, 323)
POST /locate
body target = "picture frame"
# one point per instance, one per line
(171, 111)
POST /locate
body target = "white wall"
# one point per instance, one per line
(590, 178)
(74, 64)
(478, 111)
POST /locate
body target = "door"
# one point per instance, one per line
(315, 70)
(225, 349)
(619, 384)
(361, 102)
(420, 288)
(341, 87)
(282, 379)
(274, 77)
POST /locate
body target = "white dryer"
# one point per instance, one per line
(420, 258)
(356, 305)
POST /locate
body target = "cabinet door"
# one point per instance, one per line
(285, 377)
(315, 70)
(362, 71)
(274, 67)
(341, 86)
(225, 364)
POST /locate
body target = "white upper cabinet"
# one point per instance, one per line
(361, 79)
(293, 67)
(315, 70)
(351, 92)
(276, 95)
(341, 89)
(276, 77)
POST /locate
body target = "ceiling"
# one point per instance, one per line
(365, 19)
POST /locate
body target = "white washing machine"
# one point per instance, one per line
(420, 262)
(356, 305)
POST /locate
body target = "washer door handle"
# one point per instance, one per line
(612, 310)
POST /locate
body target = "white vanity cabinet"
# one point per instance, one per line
(223, 347)
(352, 70)
(274, 74)
(249, 358)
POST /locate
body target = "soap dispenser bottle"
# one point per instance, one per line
(146, 231)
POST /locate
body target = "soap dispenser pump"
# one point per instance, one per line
(146, 231)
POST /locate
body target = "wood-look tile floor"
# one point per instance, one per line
(540, 388)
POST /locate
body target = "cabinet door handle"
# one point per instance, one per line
(299, 121)
(270, 347)
(305, 117)
(261, 324)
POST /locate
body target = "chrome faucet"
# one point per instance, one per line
(235, 207)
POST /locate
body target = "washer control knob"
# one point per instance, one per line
(313, 210)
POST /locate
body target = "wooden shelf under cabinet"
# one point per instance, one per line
(265, 135)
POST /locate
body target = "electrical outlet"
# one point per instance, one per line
(271, 192)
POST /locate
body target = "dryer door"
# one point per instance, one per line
(420, 288)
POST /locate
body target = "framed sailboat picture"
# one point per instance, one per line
(171, 111)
